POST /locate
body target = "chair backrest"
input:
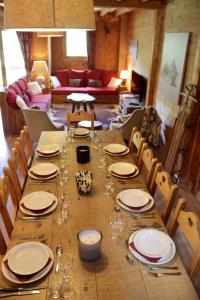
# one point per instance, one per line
(189, 224)
(149, 162)
(18, 171)
(136, 141)
(80, 115)
(8, 209)
(37, 121)
(24, 146)
(168, 190)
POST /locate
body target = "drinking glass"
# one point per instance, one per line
(55, 286)
(66, 263)
(65, 205)
(108, 184)
(116, 223)
(71, 132)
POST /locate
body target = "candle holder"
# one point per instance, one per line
(89, 243)
(83, 154)
(84, 182)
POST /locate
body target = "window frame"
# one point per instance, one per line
(73, 57)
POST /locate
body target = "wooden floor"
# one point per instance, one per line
(193, 204)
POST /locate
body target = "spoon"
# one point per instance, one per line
(129, 255)
(59, 252)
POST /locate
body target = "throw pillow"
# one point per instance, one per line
(94, 83)
(21, 103)
(55, 82)
(75, 82)
(29, 94)
(114, 82)
(25, 97)
(34, 87)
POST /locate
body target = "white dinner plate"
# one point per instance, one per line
(45, 212)
(28, 258)
(135, 198)
(163, 260)
(38, 200)
(14, 279)
(123, 168)
(47, 156)
(48, 149)
(44, 177)
(152, 242)
(115, 148)
(143, 209)
(121, 154)
(81, 132)
(44, 169)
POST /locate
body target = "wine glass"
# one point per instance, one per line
(66, 263)
(71, 132)
(116, 223)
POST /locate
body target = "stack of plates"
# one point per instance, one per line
(135, 200)
(48, 150)
(27, 262)
(116, 149)
(123, 170)
(81, 132)
(38, 203)
(43, 171)
(152, 246)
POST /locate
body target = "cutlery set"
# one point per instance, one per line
(19, 291)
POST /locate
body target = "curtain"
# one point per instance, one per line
(25, 40)
(91, 48)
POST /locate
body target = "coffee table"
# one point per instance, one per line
(79, 99)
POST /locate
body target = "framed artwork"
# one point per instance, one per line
(173, 64)
(133, 49)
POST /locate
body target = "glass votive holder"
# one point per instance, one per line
(89, 243)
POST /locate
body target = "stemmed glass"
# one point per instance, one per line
(71, 132)
(116, 223)
(66, 263)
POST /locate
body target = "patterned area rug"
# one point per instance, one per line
(104, 113)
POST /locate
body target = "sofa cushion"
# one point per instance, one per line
(26, 99)
(22, 85)
(75, 82)
(11, 97)
(93, 74)
(55, 82)
(106, 77)
(63, 76)
(29, 94)
(16, 88)
(34, 87)
(40, 105)
(79, 74)
(94, 83)
(68, 90)
(101, 91)
(43, 98)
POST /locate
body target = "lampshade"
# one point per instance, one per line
(124, 74)
(46, 15)
(39, 66)
(50, 34)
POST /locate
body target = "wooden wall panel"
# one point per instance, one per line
(39, 48)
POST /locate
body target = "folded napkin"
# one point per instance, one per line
(39, 211)
(132, 207)
(149, 258)
(24, 278)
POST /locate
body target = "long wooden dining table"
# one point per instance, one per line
(111, 276)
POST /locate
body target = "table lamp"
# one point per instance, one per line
(124, 76)
(40, 68)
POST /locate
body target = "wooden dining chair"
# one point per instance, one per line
(137, 142)
(189, 225)
(80, 115)
(163, 183)
(25, 148)
(18, 171)
(148, 162)
(8, 209)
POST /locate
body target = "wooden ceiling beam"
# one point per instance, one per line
(123, 10)
(149, 4)
(105, 11)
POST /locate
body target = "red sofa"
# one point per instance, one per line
(102, 93)
(12, 117)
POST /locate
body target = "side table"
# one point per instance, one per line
(128, 103)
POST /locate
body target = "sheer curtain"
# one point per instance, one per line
(14, 60)
(25, 39)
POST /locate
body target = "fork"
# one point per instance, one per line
(129, 255)
(164, 273)
(33, 237)
(162, 267)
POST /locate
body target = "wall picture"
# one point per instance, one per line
(173, 63)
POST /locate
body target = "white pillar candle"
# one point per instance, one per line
(89, 243)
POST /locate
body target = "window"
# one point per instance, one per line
(76, 43)
(14, 61)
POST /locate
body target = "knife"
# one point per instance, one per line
(33, 218)
(20, 293)
(20, 289)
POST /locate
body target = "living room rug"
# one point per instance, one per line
(104, 113)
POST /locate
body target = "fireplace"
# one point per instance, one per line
(138, 85)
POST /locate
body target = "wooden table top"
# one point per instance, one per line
(111, 276)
